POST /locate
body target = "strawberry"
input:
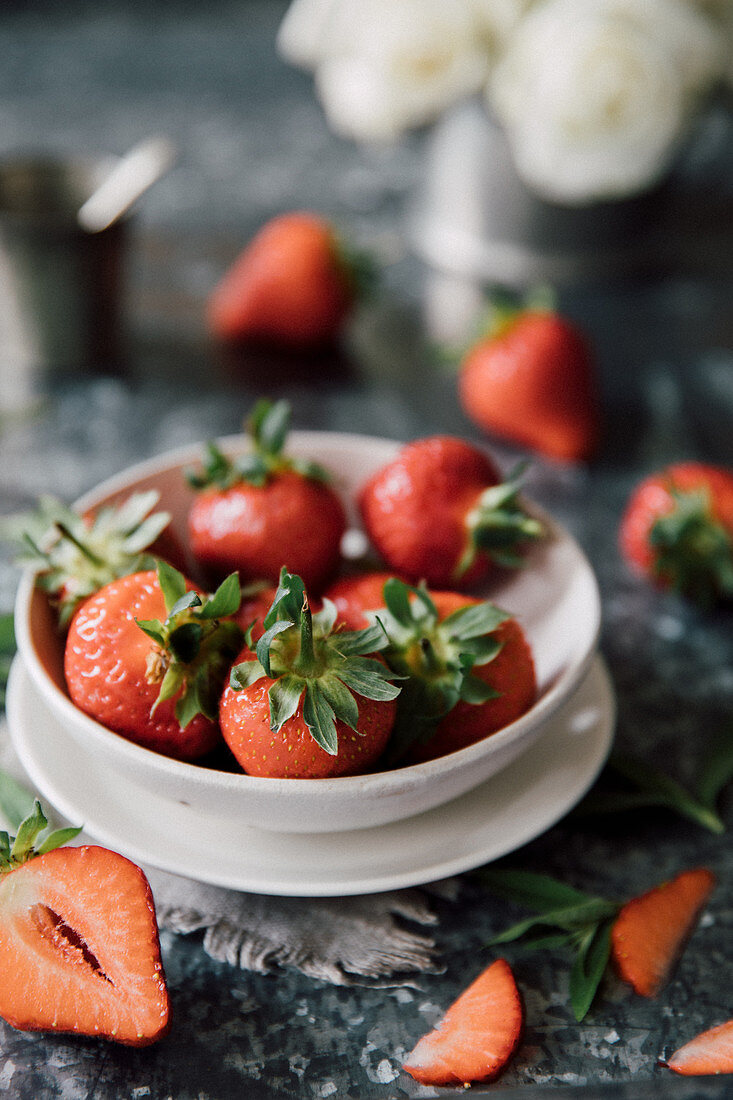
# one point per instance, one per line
(291, 710)
(293, 284)
(147, 658)
(265, 510)
(467, 665)
(79, 948)
(711, 1052)
(650, 931)
(440, 513)
(677, 529)
(477, 1036)
(77, 555)
(531, 381)
(354, 596)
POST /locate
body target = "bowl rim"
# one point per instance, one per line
(396, 779)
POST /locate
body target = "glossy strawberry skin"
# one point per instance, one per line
(292, 753)
(289, 285)
(511, 673)
(79, 949)
(533, 384)
(292, 521)
(653, 499)
(415, 510)
(105, 660)
(354, 596)
(478, 1035)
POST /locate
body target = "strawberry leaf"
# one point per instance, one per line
(265, 642)
(185, 641)
(474, 621)
(154, 629)
(225, 601)
(354, 643)
(28, 831)
(284, 695)
(319, 718)
(269, 425)
(245, 674)
(58, 838)
(184, 603)
(172, 584)
(589, 967)
(476, 691)
(368, 677)
(339, 697)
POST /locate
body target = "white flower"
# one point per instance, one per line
(383, 66)
(595, 95)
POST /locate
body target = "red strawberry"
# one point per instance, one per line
(440, 513)
(265, 510)
(310, 705)
(532, 381)
(477, 1036)
(678, 530)
(354, 596)
(651, 930)
(711, 1052)
(77, 555)
(293, 284)
(468, 665)
(154, 682)
(79, 949)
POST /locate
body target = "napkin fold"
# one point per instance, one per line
(355, 940)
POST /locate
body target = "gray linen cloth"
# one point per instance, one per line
(343, 940)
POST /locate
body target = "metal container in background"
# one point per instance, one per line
(61, 287)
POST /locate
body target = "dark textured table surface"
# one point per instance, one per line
(97, 77)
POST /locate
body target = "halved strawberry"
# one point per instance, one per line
(79, 948)
(651, 930)
(710, 1052)
(477, 1036)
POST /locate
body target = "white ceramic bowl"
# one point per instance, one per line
(555, 598)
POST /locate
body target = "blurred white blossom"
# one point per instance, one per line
(595, 95)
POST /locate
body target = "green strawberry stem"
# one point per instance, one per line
(267, 427)
(314, 667)
(19, 849)
(436, 658)
(693, 551)
(194, 646)
(497, 524)
(75, 558)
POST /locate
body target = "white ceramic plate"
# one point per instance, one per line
(555, 598)
(496, 817)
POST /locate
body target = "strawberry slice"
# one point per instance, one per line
(477, 1036)
(79, 949)
(709, 1052)
(651, 930)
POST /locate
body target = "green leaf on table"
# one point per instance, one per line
(717, 771)
(652, 787)
(563, 918)
(589, 966)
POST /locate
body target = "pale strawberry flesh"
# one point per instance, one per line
(79, 948)
(477, 1036)
(711, 1052)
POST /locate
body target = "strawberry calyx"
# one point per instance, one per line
(17, 850)
(75, 557)
(194, 646)
(436, 657)
(268, 428)
(497, 525)
(314, 666)
(693, 552)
